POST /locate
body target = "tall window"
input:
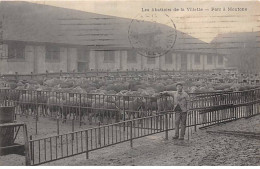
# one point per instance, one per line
(209, 59)
(150, 60)
(168, 58)
(220, 60)
(52, 53)
(16, 51)
(109, 56)
(197, 59)
(131, 57)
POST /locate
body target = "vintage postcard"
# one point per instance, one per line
(129, 83)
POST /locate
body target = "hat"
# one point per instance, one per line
(179, 83)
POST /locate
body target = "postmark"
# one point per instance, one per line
(152, 34)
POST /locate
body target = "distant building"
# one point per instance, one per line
(242, 50)
(37, 38)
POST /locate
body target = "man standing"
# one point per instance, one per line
(181, 107)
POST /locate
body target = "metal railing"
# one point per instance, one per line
(84, 141)
(62, 146)
(94, 108)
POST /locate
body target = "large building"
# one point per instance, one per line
(242, 50)
(36, 38)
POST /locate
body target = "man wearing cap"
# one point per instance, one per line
(181, 107)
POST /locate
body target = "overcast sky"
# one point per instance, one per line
(204, 25)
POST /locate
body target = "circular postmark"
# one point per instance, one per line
(152, 34)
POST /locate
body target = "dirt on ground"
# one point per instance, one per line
(202, 148)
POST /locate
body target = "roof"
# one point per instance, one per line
(30, 22)
(235, 43)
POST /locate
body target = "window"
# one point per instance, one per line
(168, 58)
(197, 59)
(150, 60)
(109, 56)
(220, 60)
(209, 59)
(16, 51)
(52, 54)
(131, 57)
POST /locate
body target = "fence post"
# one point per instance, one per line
(31, 148)
(166, 126)
(36, 121)
(73, 126)
(80, 109)
(26, 146)
(87, 153)
(195, 121)
(58, 125)
(131, 134)
(124, 110)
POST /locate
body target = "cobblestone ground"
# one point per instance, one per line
(201, 149)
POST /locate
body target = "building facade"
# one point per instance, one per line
(34, 43)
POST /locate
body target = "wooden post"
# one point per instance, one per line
(131, 134)
(87, 153)
(26, 146)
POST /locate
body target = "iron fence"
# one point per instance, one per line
(91, 109)
(84, 141)
(62, 146)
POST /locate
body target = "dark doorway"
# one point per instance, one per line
(83, 60)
